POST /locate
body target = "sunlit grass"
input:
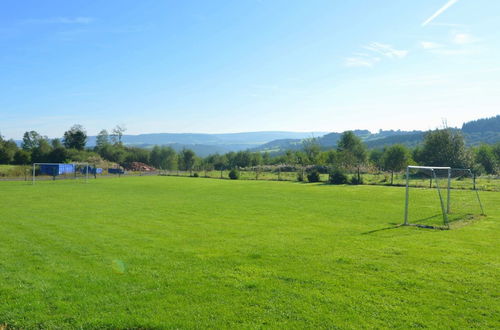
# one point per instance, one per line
(192, 252)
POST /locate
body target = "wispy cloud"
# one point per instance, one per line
(463, 38)
(430, 45)
(440, 11)
(377, 51)
(358, 61)
(460, 43)
(386, 50)
(60, 20)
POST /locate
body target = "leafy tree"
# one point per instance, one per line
(266, 158)
(113, 153)
(31, 140)
(58, 155)
(22, 157)
(102, 139)
(444, 147)
(289, 158)
(163, 157)
(117, 133)
(206, 165)
(40, 154)
(256, 159)
(187, 160)
(486, 158)
(56, 143)
(80, 155)
(496, 151)
(303, 161)
(75, 138)
(242, 159)
(219, 162)
(134, 154)
(331, 157)
(231, 159)
(417, 155)
(7, 151)
(352, 151)
(395, 158)
(311, 149)
(375, 157)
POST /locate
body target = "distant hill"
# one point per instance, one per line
(485, 130)
(409, 139)
(482, 125)
(246, 138)
(475, 132)
(205, 144)
(330, 140)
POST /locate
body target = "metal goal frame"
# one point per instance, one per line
(445, 208)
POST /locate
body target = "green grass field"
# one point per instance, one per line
(173, 252)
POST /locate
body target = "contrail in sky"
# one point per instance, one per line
(440, 11)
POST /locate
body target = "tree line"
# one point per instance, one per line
(441, 147)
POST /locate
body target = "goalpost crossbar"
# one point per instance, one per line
(430, 167)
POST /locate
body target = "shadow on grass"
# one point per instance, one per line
(421, 223)
(394, 226)
(427, 219)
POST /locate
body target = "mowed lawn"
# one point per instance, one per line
(172, 252)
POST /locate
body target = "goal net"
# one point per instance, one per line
(437, 197)
(60, 171)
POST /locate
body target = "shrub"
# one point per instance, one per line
(354, 180)
(300, 176)
(313, 176)
(337, 177)
(234, 174)
(196, 175)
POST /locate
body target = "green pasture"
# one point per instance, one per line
(176, 252)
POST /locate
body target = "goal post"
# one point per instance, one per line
(457, 194)
(53, 171)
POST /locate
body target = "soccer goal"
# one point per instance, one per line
(438, 196)
(60, 171)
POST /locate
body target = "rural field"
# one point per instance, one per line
(177, 252)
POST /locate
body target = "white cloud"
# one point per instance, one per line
(361, 61)
(463, 38)
(459, 44)
(60, 20)
(439, 12)
(386, 50)
(377, 49)
(430, 45)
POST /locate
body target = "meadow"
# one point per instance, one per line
(177, 252)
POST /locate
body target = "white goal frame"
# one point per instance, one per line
(445, 209)
(74, 165)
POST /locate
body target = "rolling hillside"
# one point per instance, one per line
(486, 130)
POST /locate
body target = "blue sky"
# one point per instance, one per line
(232, 66)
